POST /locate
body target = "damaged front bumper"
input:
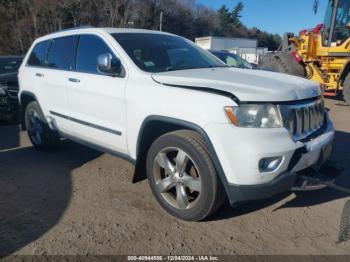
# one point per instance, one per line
(312, 154)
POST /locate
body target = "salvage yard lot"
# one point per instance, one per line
(79, 201)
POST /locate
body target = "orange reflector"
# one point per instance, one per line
(231, 115)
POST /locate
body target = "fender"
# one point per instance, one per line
(26, 93)
(187, 125)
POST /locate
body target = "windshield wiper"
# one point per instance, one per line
(214, 66)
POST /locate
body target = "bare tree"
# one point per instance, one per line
(73, 8)
(22, 21)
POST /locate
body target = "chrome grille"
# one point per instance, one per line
(302, 120)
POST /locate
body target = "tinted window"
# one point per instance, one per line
(160, 53)
(90, 47)
(62, 53)
(39, 54)
(341, 30)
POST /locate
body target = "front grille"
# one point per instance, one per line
(11, 89)
(302, 120)
(13, 92)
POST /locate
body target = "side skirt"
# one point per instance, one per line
(99, 148)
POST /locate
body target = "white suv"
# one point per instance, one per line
(200, 130)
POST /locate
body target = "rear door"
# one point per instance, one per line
(97, 106)
(60, 62)
(32, 74)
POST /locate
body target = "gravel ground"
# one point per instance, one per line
(79, 201)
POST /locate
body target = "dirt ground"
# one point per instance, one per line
(79, 201)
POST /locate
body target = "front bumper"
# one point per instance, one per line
(239, 159)
(284, 183)
(9, 108)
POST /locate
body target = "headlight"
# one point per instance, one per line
(255, 116)
(2, 91)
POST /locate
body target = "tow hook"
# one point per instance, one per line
(344, 230)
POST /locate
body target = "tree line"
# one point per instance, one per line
(22, 21)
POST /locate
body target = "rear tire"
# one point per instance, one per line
(39, 132)
(346, 89)
(283, 63)
(191, 191)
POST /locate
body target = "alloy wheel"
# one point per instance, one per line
(177, 178)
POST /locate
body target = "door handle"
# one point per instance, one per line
(74, 80)
(39, 75)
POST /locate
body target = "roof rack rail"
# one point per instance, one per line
(73, 28)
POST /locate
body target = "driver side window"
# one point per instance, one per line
(89, 48)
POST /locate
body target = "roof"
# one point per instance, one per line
(109, 30)
(226, 38)
(132, 30)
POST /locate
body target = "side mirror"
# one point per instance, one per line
(108, 65)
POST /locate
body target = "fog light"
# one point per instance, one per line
(269, 164)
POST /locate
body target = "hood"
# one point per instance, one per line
(246, 85)
(8, 77)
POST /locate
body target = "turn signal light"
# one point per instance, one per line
(231, 115)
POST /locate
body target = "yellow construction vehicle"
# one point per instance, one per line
(321, 54)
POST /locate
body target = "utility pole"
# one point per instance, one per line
(161, 21)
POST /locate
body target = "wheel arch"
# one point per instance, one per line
(155, 126)
(25, 98)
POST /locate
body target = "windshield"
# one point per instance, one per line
(341, 30)
(233, 60)
(9, 64)
(160, 53)
(342, 20)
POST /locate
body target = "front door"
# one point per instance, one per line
(96, 101)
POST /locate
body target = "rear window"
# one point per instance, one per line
(62, 53)
(38, 56)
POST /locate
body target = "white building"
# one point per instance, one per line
(252, 55)
(244, 47)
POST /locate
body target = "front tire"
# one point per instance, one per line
(182, 176)
(39, 132)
